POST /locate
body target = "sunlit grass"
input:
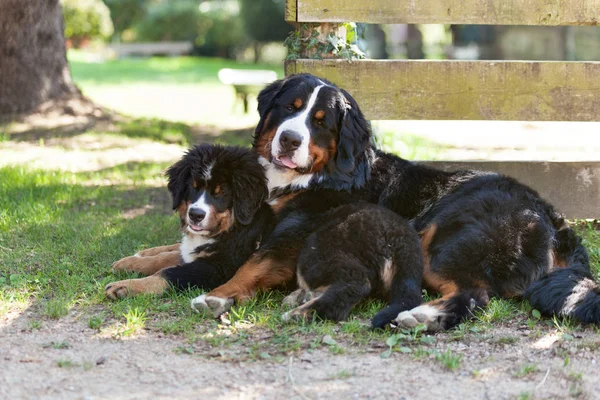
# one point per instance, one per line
(172, 88)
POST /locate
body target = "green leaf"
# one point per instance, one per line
(567, 337)
(536, 314)
(328, 340)
(427, 339)
(403, 349)
(386, 353)
(393, 340)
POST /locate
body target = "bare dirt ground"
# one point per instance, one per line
(65, 359)
(506, 362)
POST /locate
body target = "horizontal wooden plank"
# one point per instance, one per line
(465, 90)
(486, 12)
(572, 187)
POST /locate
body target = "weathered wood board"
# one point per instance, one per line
(486, 12)
(465, 90)
(572, 187)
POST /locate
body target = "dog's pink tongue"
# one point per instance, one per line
(285, 160)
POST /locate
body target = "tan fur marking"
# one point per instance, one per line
(555, 261)
(320, 114)
(387, 275)
(153, 251)
(298, 103)
(253, 275)
(431, 279)
(320, 155)
(224, 221)
(148, 265)
(281, 201)
(154, 284)
(217, 189)
(263, 144)
(182, 211)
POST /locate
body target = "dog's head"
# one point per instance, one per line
(213, 187)
(312, 131)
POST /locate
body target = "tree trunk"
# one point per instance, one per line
(33, 62)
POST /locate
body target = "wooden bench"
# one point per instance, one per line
(246, 82)
(471, 90)
(171, 49)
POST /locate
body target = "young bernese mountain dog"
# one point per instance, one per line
(220, 195)
(482, 234)
(359, 250)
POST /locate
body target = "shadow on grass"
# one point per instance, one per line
(58, 238)
(136, 128)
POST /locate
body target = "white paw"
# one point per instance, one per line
(295, 298)
(424, 314)
(286, 317)
(199, 303)
(216, 305)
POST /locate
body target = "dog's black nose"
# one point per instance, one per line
(196, 214)
(289, 141)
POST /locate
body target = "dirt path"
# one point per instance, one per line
(68, 360)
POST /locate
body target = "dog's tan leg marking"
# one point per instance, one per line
(154, 284)
(157, 250)
(255, 274)
(148, 265)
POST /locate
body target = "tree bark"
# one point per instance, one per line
(33, 62)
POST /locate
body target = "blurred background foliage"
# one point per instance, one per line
(217, 34)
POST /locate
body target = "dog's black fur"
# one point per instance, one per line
(482, 234)
(359, 251)
(241, 198)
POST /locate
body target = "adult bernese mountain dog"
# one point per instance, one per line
(220, 195)
(482, 234)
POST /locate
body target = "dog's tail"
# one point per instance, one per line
(570, 290)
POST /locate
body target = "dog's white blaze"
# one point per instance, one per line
(203, 205)
(208, 172)
(298, 124)
(280, 178)
(578, 293)
(189, 243)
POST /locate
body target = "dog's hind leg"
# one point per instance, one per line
(333, 302)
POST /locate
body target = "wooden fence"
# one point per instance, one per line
(472, 90)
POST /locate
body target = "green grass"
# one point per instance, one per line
(183, 89)
(60, 232)
(449, 360)
(525, 369)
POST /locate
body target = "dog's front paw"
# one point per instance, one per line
(118, 290)
(131, 287)
(425, 314)
(125, 264)
(216, 305)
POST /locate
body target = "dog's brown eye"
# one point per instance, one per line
(289, 108)
(219, 191)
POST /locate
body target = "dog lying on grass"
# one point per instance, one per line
(219, 193)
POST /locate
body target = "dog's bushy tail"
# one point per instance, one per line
(569, 291)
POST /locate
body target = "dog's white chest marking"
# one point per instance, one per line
(190, 243)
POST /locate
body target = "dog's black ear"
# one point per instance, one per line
(249, 187)
(179, 175)
(351, 162)
(266, 99)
